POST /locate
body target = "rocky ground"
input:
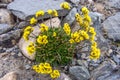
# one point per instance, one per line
(14, 17)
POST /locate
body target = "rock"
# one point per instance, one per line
(22, 24)
(6, 17)
(23, 44)
(70, 18)
(79, 73)
(3, 5)
(118, 50)
(63, 76)
(6, 39)
(4, 28)
(82, 63)
(27, 67)
(6, 1)
(115, 3)
(111, 26)
(95, 16)
(116, 59)
(109, 52)
(75, 1)
(10, 76)
(31, 6)
(106, 71)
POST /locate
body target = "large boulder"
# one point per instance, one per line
(114, 3)
(112, 27)
(31, 6)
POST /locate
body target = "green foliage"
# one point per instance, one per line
(58, 50)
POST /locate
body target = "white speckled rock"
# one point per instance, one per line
(23, 44)
(6, 1)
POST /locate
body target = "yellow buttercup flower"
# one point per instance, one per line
(25, 35)
(66, 28)
(33, 20)
(87, 18)
(55, 13)
(42, 39)
(43, 27)
(50, 11)
(31, 48)
(85, 11)
(28, 28)
(55, 74)
(95, 54)
(65, 5)
(39, 13)
(54, 34)
(71, 41)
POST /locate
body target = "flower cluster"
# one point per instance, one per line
(43, 27)
(27, 32)
(45, 68)
(53, 12)
(31, 48)
(39, 13)
(66, 28)
(65, 5)
(42, 39)
(95, 52)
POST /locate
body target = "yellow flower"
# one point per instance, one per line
(54, 34)
(39, 13)
(87, 18)
(48, 70)
(71, 41)
(50, 11)
(28, 28)
(95, 54)
(33, 20)
(55, 74)
(67, 28)
(85, 11)
(25, 35)
(47, 65)
(31, 48)
(43, 27)
(55, 13)
(65, 5)
(42, 39)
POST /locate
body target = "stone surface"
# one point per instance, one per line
(63, 76)
(6, 39)
(6, 17)
(112, 27)
(55, 22)
(114, 3)
(10, 76)
(70, 18)
(79, 73)
(4, 28)
(31, 6)
(106, 71)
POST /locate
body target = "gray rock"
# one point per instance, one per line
(4, 28)
(95, 16)
(75, 1)
(112, 27)
(106, 71)
(79, 73)
(22, 24)
(116, 59)
(70, 18)
(31, 6)
(6, 17)
(6, 39)
(27, 67)
(63, 76)
(114, 3)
